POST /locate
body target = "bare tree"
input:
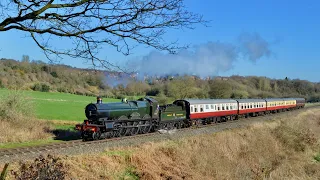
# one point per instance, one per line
(91, 25)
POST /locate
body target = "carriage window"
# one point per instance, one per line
(231, 107)
(191, 108)
(241, 107)
(251, 106)
(223, 107)
(207, 106)
(218, 107)
(227, 107)
(195, 109)
(201, 108)
(211, 106)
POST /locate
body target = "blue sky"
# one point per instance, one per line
(291, 29)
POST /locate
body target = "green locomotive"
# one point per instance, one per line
(124, 118)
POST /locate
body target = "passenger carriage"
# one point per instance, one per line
(275, 105)
(300, 102)
(251, 107)
(289, 103)
(210, 110)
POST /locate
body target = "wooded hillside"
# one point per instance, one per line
(39, 76)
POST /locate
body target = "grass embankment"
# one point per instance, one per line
(19, 126)
(58, 106)
(285, 148)
(18, 122)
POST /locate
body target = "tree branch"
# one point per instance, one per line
(94, 24)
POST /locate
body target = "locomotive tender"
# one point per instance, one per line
(127, 118)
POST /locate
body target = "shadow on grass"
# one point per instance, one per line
(66, 134)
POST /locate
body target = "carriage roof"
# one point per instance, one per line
(250, 100)
(208, 101)
(274, 99)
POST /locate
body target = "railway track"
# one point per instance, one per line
(25, 151)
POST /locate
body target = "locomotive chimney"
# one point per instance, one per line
(99, 100)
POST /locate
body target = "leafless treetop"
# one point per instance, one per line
(92, 25)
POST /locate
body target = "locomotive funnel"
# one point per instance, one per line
(99, 100)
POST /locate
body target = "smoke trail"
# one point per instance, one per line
(254, 46)
(206, 59)
(114, 80)
(203, 60)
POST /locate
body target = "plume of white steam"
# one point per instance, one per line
(203, 60)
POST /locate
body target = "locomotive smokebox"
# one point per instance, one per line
(99, 100)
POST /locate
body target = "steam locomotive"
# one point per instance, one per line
(128, 118)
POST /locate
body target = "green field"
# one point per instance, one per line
(59, 106)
